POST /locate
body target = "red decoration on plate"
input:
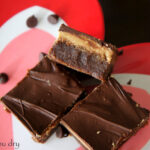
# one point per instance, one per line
(135, 59)
(83, 15)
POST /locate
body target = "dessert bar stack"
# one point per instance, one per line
(52, 93)
(84, 53)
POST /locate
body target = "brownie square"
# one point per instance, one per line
(106, 118)
(42, 98)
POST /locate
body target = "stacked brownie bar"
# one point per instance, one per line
(52, 93)
(84, 53)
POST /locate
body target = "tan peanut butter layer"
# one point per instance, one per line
(86, 44)
(83, 53)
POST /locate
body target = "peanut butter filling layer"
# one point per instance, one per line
(86, 44)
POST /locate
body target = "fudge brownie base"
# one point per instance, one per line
(82, 61)
(84, 53)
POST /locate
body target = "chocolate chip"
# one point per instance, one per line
(61, 132)
(42, 55)
(3, 78)
(120, 52)
(129, 82)
(53, 18)
(32, 22)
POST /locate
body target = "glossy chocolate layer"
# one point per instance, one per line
(106, 118)
(84, 80)
(42, 98)
(84, 53)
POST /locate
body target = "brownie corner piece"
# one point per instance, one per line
(84, 53)
(42, 98)
(106, 118)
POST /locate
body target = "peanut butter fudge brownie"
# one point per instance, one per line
(42, 97)
(83, 53)
(106, 118)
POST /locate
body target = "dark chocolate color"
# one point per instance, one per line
(53, 18)
(85, 61)
(42, 55)
(130, 94)
(129, 82)
(106, 118)
(42, 98)
(3, 78)
(61, 132)
(32, 22)
(85, 80)
(80, 59)
(120, 52)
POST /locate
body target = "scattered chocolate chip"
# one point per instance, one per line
(129, 82)
(120, 52)
(42, 55)
(53, 18)
(61, 132)
(3, 78)
(32, 22)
